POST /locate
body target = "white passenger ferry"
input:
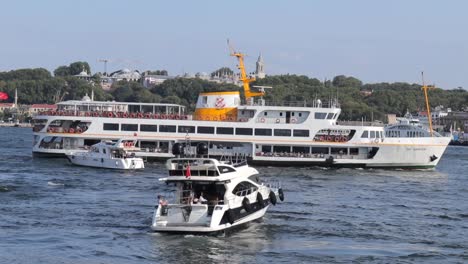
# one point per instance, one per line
(304, 133)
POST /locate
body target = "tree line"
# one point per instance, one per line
(358, 100)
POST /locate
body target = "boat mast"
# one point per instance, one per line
(425, 88)
(245, 80)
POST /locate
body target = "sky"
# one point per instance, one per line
(372, 40)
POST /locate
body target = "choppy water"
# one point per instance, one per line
(52, 212)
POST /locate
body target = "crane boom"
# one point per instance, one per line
(243, 76)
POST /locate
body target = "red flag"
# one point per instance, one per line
(187, 171)
(3, 96)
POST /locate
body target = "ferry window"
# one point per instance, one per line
(280, 149)
(266, 149)
(244, 131)
(129, 127)
(262, 132)
(300, 133)
(365, 134)
(319, 150)
(244, 188)
(133, 108)
(353, 151)
(147, 108)
(225, 130)
(300, 114)
(377, 134)
(205, 130)
(225, 169)
(186, 129)
(111, 126)
(282, 132)
(339, 151)
(149, 128)
(265, 113)
(168, 129)
(372, 134)
(300, 149)
(320, 115)
(330, 116)
(281, 113)
(205, 99)
(292, 113)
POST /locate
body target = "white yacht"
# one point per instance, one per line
(110, 155)
(212, 195)
(287, 133)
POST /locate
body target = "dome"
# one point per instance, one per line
(86, 98)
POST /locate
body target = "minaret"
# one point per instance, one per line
(92, 94)
(16, 97)
(260, 71)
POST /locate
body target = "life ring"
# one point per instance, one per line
(321, 138)
(246, 205)
(87, 114)
(171, 116)
(125, 115)
(260, 201)
(148, 115)
(184, 117)
(163, 116)
(156, 116)
(344, 138)
(337, 139)
(132, 115)
(95, 114)
(293, 120)
(79, 130)
(262, 120)
(329, 138)
(65, 130)
(109, 114)
(71, 130)
(177, 117)
(140, 115)
(272, 197)
(53, 113)
(281, 194)
(278, 120)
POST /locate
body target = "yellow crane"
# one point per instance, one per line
(425, 88)
(246, 80)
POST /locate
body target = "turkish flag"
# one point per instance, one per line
(188, 173)
(3, 96)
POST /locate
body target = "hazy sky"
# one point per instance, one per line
(375, 41)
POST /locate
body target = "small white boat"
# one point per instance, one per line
(212, 195)
(108, 154)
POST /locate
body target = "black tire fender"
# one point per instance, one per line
(281, 194)
(260, 201)
(272, 197)
(230, 216)
(246, 205)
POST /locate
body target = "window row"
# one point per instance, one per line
(319, 115)
(208, 130)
